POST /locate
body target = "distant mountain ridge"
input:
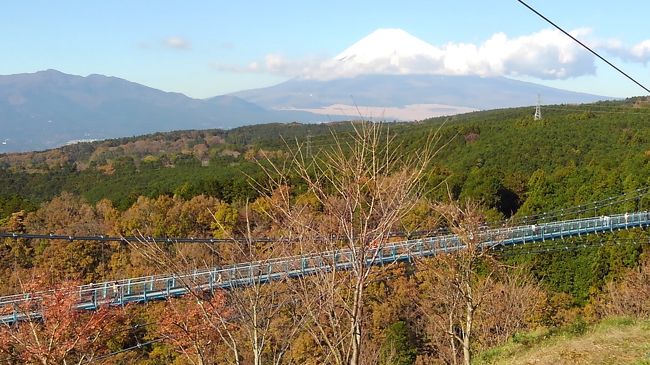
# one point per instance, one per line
(474, 92)
(49, 108)
(389, 74)
(399, 76)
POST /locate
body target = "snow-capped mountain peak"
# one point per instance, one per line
(391, 46)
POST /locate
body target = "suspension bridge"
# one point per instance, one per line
(155, 287)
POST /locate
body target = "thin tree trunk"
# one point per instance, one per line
(356, 323)
(235, 351)
(469, 318)
(452, 338)
(257, 360)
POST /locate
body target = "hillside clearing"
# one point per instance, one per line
(613, 341)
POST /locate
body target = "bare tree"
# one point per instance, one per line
(440, 305)
(256, 321)
(466, 222)
(512, 302)
(457, 289)
(183, 327)
(363, 185)
(194, 320)
(265, 313)
(467, 295)
(629, 295)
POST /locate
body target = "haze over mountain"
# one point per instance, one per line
(394, 75)
(50, 108)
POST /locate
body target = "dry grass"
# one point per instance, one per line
(614, 341)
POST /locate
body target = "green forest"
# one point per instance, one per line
(503, 158)
(494, 167)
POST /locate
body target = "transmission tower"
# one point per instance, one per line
(538, 109)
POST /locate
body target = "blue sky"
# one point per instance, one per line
(205, 48)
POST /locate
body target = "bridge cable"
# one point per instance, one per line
(560, 245)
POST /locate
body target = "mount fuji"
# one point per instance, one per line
(391, 74)
(390, 51)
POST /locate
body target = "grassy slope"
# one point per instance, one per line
(613, 341)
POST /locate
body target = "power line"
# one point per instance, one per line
(586, 207)
(587, 109)
(561, 245)
(126, 239)
(138, 346)
(583, 45)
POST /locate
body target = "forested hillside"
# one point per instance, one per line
(232, 183)
(503, 158)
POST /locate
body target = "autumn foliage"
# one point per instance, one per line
(630, 295)
(192, 326)
(54, 331)
(354, 197)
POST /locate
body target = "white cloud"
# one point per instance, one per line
(547, 54)
(177, 43)
(640, 52)
(275, 64)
